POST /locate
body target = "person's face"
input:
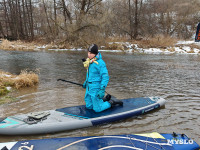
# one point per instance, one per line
(91, 55)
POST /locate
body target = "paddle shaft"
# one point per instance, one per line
(73, 83)
(70, 82)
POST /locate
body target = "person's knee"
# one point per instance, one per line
(89, 106)
(88, 102)
(96, 109)
(100, 106)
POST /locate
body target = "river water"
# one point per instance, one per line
(173, 77)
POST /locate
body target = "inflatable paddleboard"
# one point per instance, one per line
(75, 117)
(150, 141)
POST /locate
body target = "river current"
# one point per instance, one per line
(173, 77)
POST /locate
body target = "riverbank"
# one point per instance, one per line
(180, 47)
(158, 45)
(9, 81)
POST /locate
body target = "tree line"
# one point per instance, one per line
(80, 22)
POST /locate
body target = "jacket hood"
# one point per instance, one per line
(99, 56)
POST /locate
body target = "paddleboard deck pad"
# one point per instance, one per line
(149, 141)
(75, 117)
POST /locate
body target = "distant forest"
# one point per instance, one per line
(80, 22)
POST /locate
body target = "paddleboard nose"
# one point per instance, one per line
(159, 100)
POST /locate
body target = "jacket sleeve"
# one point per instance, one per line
(104, 75)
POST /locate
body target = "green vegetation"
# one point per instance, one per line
(3, 90)
(7, 99)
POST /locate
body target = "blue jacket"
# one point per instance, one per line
(97, 74)
(97, 78)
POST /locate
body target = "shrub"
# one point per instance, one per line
(159, 41)
(24, 79)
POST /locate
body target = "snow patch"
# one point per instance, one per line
(110, 50)
(196, 50)
(6, 75)
(73, 49)
(8, 88)
(179, 50)
(186, 48)
(42, 47)
(185, 42)
(153, 50)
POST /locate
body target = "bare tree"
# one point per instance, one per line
(136, 20)
(83, 21)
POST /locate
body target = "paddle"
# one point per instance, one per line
(106, 98)
(73, 83)
(70, 82)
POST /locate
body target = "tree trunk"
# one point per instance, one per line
(12, 22)
(24, 20)
(45, 10)
(66, 13)
(1, 31)
(21, 31)
(7, 20)
(55, 17)
(136, 20)
(31, 19)
(83, 4)
(28, 19)
(130, 19)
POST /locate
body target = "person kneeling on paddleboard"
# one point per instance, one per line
(96, 81)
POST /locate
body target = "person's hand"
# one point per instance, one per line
(84, 85)
(101, 93)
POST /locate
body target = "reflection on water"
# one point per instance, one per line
(173, 77)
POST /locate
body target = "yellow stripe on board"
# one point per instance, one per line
(152, 135)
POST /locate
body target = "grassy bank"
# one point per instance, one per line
(36, 45)
(159, 41)
(157, 44)
(20, 45)
(113, 43)
(24, 79)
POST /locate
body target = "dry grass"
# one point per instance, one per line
(115, 46)
(117, 39)
(191, 51)
(24, 79)
(159, 41)
(17, 45)
(171, 49)
(193, 46)
(23, 46)
(116, 43)
(32, 46)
